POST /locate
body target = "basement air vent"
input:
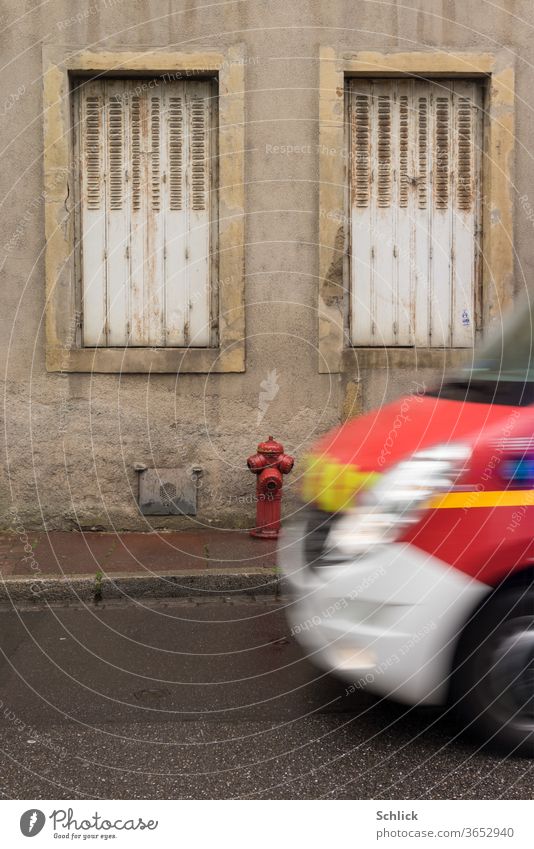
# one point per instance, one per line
(167, 492)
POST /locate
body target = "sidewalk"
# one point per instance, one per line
(96, 566)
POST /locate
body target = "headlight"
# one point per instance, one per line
(396, 500)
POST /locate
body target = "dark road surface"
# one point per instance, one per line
(211, 700)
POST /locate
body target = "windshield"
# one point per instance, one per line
(502, 369)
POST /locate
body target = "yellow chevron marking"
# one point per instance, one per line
(332, 485)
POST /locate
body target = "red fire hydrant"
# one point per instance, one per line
(269, 464)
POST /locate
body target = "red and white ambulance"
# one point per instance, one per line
(412, 566)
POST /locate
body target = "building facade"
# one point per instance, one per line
(226, 221)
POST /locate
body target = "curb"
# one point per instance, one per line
(177, 584)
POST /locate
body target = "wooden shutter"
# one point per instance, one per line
(145, 165)
(415, 196)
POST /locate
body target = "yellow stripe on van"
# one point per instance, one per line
(501, 498)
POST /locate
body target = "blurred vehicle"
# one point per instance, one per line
(412, 567)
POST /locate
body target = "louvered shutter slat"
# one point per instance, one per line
(404, 148)
(175, 111)
(198, 330)
(361, 304)
(117, 215)
(176, 290)
(384, 292)
(466, 151)
(440, 266)
(138, 156)
(421, 230)
(154, 271)
(361, 153)
(404, 199)
(93, 213)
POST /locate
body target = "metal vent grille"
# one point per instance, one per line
(167, 494)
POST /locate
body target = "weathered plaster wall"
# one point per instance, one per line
(71, 440)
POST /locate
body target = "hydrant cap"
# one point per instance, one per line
(271, 446)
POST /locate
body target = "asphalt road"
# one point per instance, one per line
(182, 699)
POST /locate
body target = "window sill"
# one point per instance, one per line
(408, 358)
(147, 360)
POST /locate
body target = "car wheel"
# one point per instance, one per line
(493, 678)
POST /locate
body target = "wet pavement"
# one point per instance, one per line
(56, 553)
(211, 699)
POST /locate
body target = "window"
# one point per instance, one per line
(414, 211)
(145, 154)
(67, 72)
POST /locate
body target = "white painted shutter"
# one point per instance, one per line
(414, 197)
(145, 212)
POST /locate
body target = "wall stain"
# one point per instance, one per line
(332, 291)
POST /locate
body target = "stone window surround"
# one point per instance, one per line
(335, 354)
(63, 352)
